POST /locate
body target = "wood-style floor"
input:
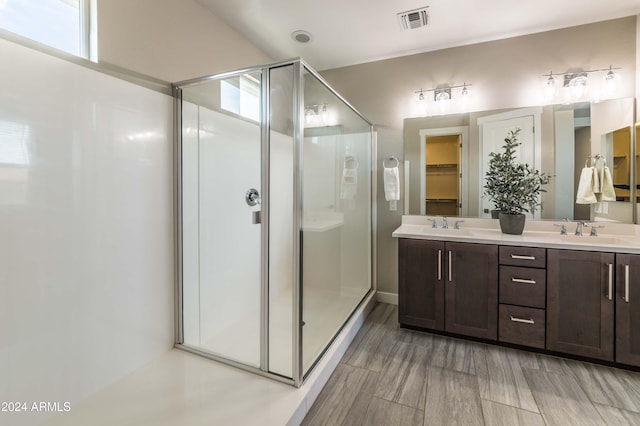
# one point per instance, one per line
(392, 376)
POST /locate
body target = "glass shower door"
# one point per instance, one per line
(221, 208)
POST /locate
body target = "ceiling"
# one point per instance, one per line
(347, 32)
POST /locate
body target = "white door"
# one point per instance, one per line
(494, 133)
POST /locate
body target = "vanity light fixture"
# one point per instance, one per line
(577, 81)
(443, 93)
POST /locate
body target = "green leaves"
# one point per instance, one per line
(513, 187)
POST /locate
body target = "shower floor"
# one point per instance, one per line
(324, 312)
(180, 388)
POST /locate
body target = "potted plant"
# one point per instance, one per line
(513, 187)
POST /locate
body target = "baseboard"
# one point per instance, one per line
(390, 298)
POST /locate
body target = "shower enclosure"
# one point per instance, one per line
(275, 217)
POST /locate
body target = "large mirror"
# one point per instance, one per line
(446, 158)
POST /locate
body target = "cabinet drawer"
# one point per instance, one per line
(532, 257)
(522, 326)
(523, 286)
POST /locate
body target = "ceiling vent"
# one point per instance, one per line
(414, 19)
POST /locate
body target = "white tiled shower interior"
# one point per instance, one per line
(86, 229)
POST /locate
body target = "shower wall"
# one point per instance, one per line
(86, 226)
(221, 160)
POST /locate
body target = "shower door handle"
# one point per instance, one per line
(256, 217)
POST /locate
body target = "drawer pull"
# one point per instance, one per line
(450, 266)
(523, 281)
(524, 320)
(439, 265)
(521, 257)
(610, 295)
(626, 283)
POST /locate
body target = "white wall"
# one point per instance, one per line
(171, 39)
(86, 219)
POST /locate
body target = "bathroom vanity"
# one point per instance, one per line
(568, 294)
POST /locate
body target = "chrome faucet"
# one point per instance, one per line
(579, 227)
(434, 224)
(563, 228)
(594, 230)
(457, 224)
(445, 224)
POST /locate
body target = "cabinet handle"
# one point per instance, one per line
(524, 320)
(439, 265)
(522, 280)
(610, 297)
(449, 265)
(626, 283)
(521, 257)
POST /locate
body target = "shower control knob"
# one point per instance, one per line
(252, 197)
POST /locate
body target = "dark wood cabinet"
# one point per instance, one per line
(580, 304)
(471, 289)
(522, 290)
(628, 309)
(420, 283)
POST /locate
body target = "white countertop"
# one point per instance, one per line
(613, 237)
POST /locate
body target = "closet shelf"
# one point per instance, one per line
(443, 165)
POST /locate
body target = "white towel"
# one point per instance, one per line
(606, 186)
(598, 174)
(585, 194)
(391, 183)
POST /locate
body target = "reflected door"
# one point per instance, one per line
(493, 135)
(222, 163)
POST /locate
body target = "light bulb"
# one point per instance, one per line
(610, 81)
(578, 86)
(550, 87)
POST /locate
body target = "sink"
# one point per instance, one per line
(586, 239)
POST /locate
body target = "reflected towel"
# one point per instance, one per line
(585, 194)
(391, 183)
(349, 183)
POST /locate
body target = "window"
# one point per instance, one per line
(63, 24)
(241, 95)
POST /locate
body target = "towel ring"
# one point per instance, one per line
(392, 158)
(595, 159)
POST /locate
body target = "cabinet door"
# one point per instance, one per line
(420, 290)
(471, 289)
(580, 303)
(628, 309)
